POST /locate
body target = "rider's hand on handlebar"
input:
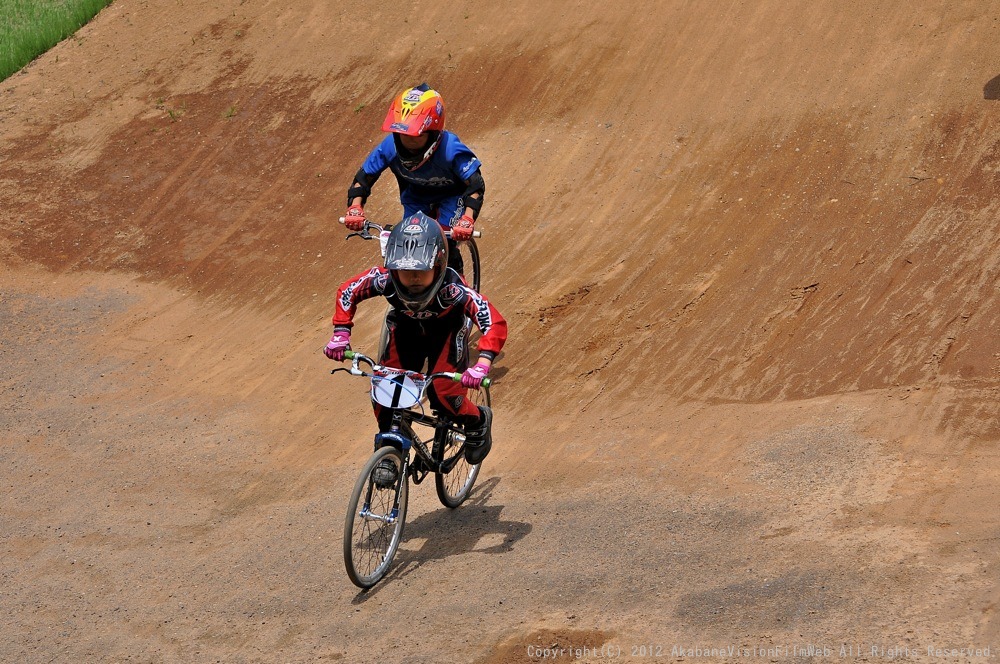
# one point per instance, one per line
(339, 344)
(462, 229)
(355, 218)
(473, 376)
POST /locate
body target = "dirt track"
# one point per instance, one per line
(749, 253)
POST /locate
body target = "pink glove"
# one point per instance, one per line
(473, 376)
(355, 218)
(461, 230)
(339, 344)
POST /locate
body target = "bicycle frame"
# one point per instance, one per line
(376, 513)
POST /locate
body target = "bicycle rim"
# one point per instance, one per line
(470, 261)
(372, 532)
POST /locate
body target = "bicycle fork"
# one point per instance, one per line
(392, 438)
(390, 518)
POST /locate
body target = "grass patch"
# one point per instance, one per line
(28, 28)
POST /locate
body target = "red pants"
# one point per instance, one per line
(442, 345)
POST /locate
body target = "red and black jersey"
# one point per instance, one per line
(455, 301)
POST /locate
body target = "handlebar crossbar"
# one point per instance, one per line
(365, 233)
(357, 358)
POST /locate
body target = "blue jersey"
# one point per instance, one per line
(436, 187)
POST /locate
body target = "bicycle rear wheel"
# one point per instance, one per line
(376, 515)
(383, 335)
(470, 263)
(473, 276)
(455, 486)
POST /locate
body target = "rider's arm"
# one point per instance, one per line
(357, 289)
(361, 188)
(369, 173)
(489, 321)
(473, 195)
(466, 168)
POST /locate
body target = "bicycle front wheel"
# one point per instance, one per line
(376, 514)
(455, 486)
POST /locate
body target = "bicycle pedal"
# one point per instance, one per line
(417, 476)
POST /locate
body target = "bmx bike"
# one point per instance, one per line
(376, 511)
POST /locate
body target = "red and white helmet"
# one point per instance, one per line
(417, 111)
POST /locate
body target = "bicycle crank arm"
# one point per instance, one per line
(445, 466)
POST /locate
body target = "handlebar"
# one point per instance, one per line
(357, 358)
(366, 234)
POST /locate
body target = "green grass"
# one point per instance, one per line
(28, 28)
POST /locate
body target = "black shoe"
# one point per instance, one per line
(479, 441)
(384, 474)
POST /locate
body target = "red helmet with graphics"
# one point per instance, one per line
(415, 112)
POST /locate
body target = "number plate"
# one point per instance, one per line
(395, 388)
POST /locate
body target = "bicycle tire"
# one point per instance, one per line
(470, 261)
(371, 542)
(455, 486)
(473, 277)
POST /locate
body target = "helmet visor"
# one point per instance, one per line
(411, 252)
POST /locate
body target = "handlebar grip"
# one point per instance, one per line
(457, 377)
(342, 219)
(349, 354)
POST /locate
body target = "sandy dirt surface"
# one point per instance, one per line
(748, 410)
